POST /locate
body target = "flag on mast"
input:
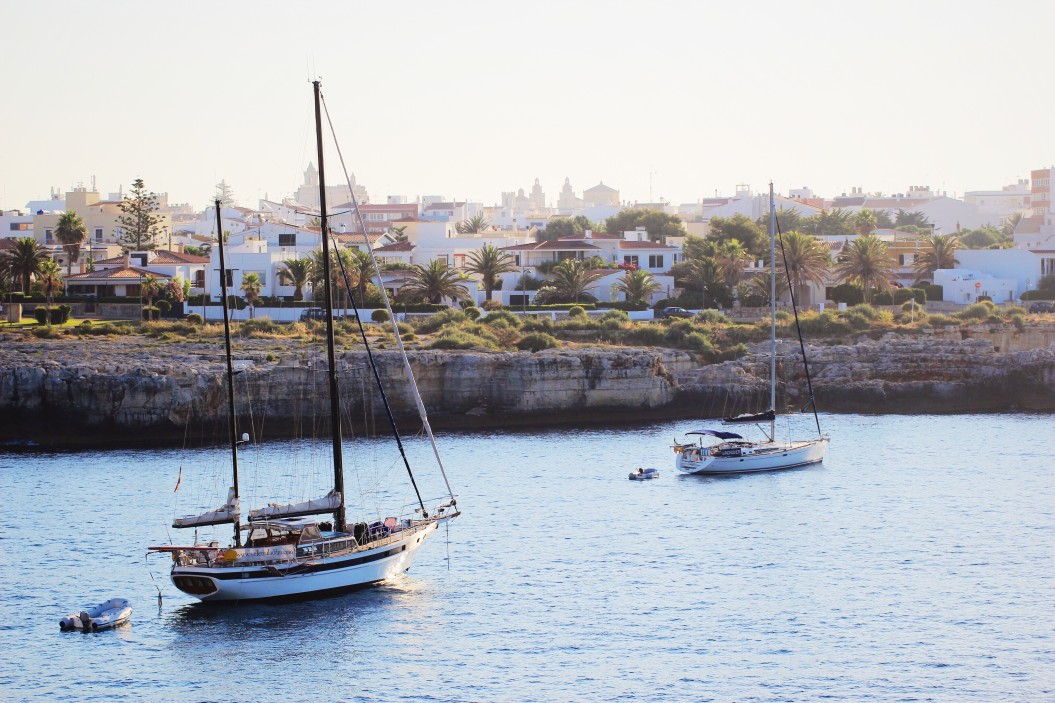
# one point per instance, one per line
(178, 478)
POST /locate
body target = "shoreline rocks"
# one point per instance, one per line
(124, 390)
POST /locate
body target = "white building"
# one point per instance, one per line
(966, 286)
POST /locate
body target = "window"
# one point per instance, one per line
(287, 240)
(98, 234)
(655, 261)
(230, 277)
(21, 226)
(47, 236)
(199, 279)
(906, 259)
(630, 260)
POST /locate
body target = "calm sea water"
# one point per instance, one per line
(915, 564)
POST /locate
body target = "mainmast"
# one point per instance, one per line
(772, 315)
(231, 422)
(335, 403)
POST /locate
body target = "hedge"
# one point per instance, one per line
(59, 315)
(1038, 295)
(623, 305)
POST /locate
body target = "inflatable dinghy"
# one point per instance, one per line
(103, 616)
(644, 474)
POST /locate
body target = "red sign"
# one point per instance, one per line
(978, 285)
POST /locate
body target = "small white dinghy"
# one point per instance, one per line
(643, 474)
(103, 616)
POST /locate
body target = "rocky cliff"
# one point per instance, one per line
(126, 390)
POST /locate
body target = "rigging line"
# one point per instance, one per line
(377, 376)
(798, 328)
(388, 307)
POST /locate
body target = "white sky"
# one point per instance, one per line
(467, 99)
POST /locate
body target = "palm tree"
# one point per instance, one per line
(150, 288)
(730, 256)
(637, 286)
(474, 225)
(705, 275)
(50, 277)
(433, 283)
(912, 219)
(21, 263)
(318, 274)
(489, 263)
(71, 231)
(251, 287)
(939, 253)
(1011, 224)
(866, 261)
(361, 270)
(571, 279)
(807, 261)
(296, 273)
(865, 222)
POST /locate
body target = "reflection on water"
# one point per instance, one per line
(913, 564)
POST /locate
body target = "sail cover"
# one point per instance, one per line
(327, 504)
(750, 417)
(225, 513)
(717, 433)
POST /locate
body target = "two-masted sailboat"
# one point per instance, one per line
(732, 453)
(284, 550)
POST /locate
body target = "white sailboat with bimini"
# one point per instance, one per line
(731, 453)
(284, 550)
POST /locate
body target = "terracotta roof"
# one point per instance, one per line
(398, 246)
(7, 243)
(595, 235)
(132, 272)
(115, 261)
(410, 219)
(174, 257)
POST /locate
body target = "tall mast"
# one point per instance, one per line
(335, 403)
(231, 423)
(772, 315)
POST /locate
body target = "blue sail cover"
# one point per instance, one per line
(717, 433)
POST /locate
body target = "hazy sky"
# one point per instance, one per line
(468, 99)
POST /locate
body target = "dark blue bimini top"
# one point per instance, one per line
(718, 434)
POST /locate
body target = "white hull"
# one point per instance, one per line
(304, 578)
(764, 456)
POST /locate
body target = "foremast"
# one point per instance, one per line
(232, 425)
(772, 316)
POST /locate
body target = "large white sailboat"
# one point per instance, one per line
(282, 550)
(732, 453)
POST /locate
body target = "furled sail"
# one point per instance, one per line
(224, 514)
(327, 504)
(750, 417)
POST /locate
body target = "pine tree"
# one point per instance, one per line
(225, 194)
(138, 223)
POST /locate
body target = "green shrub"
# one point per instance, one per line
(941, 320)
(164, 306)
(828, 324)
(251, 327)
(857, 320)
(379, 315)
(615, 314)
(847, 293)
(646, 336)
(150, 312)
(42, 315)
(537, 341)
(735, 352)
(867, 311)
(490, 305)
(502, 318)
(433, 323)
(984, 299)
(910, 305)
(711, 317)
(977, 311)
(697, 341)
(1011, 311)
(535, 323)
(473, 313)
(1019, 321)
(576, 311)
(933, 292)
(461, 339)
(1038, 295)
(782, 316)
(579, 324)
(195, 319)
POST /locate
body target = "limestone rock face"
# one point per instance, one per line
(125, 389)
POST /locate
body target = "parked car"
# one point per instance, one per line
(674, 312)
(1040, 306)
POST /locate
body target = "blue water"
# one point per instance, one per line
(915, 564)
